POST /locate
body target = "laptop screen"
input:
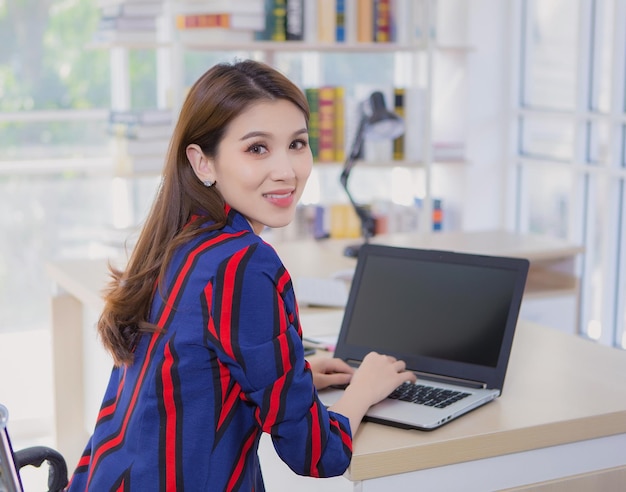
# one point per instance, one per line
(444, 313)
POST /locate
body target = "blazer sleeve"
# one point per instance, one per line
(254, 327)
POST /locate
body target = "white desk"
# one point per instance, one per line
(578, 426)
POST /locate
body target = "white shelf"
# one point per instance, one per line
(303, 46)
(415, 64)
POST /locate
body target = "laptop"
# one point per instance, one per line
(450, 316)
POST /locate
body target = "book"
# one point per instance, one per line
(278, 30)
(365, 21)
(344, 222)
(437, 215)
(214, 35)
(320, 226)
(310, 21)
(398, 107)
(382, 21)
(294, 20)
(274, 22)
(312, 96)
(224, 20)
(256, 7)
(326, 21)
(350, 20)
(414, 123)
(402, 18)
(448, 151)
(326, 98)
(340, 21)
(144, 23)
(339, 128)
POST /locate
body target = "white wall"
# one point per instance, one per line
(487, 110)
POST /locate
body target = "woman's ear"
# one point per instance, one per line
(202, 166)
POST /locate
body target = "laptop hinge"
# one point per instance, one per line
(449, 379)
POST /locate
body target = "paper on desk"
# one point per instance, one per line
(323, 325)
(321, 291)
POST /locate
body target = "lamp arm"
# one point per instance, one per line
(354, 152)
(366, 218)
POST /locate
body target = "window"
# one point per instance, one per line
(568, 152)
(57, 197)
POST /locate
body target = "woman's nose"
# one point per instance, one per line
(283, 166)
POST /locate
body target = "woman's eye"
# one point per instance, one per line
(298, 144)
(257, 149)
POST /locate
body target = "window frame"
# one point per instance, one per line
(588, 196)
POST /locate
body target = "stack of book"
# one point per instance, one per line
(140, 140)
(201, 21)
(340, 221)
(370, 21)
(286, 20)
(128, 20)
(327, 134)
(448, 151)
(339, 21)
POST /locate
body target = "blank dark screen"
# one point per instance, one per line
(433, 309)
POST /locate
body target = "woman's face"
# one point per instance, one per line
(263, 163)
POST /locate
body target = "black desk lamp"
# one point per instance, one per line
(377, 123)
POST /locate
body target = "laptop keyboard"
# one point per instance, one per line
(427, 395)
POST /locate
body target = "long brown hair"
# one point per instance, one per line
(217, 97)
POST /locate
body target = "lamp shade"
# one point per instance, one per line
(382, 123)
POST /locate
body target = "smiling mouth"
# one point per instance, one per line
(278, 196)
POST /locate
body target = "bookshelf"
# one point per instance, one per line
(414, 44)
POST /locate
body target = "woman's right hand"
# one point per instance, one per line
(377, 376)
(375, 379)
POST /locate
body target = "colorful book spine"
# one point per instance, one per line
(339, 135)
(398, 106)
(312, 96)
(224, 20)
(191, 21)
(275, 26)
(320, 231)
(278, 30)
(294, 21)
(365, 21)
(437, 215)
(326, 124)
(382, 21)
(340, 21)
(326, 20)
(344, 222)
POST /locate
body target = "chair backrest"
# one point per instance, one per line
(9, 474)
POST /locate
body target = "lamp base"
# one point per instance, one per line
(352, 251)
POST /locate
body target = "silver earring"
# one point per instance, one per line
(208, 183)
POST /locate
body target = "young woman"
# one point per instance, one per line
(203, 323)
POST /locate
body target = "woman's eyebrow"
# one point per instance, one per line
(258, 133)
(254, 134)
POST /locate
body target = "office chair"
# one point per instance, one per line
(11, 462)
